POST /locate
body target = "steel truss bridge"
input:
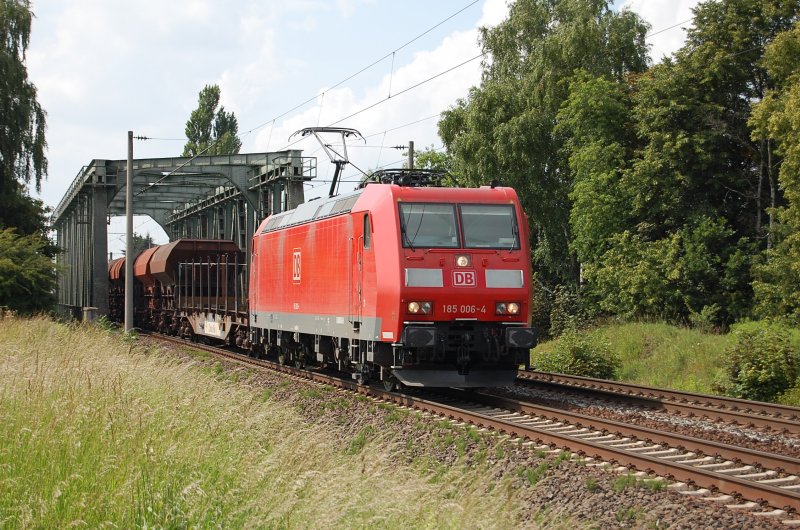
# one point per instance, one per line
(208, 197)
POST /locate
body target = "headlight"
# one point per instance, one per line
(506, 308)
(463, 260)
(420, 307)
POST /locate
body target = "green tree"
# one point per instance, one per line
(22, 121)
(141, 243)
(698, 177)
(692, 114)
(664, 168)
(27, 275)
(777, 119)
(430, 158)
(211, 130)
(505, 128)
(598, 142)
(725, 47)
(691, 274)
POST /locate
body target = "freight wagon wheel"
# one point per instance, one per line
(389, 384)
(281, 358)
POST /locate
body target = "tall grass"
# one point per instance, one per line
(661, 355)
(667, 356)
(98, 433)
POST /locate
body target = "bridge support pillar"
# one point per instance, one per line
(99, 242)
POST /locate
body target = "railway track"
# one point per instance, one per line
(767, 416)
(738, 477)
(741, 472)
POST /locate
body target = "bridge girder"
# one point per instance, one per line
(222, 196)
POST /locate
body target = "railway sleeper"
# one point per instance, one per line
(718, 465)
(781, 481)
(736, 471)
(702, 460)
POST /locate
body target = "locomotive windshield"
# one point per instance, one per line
(428, 225)
(489, 226)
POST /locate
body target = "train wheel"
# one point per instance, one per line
(300, 356)
(390, 384)
(281, 358)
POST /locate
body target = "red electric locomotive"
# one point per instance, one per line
(428, 286)
(396, 281)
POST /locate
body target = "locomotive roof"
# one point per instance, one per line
(314, 209)
(341, 204)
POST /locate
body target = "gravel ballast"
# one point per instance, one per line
(550, 486)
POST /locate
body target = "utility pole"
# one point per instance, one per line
(411, 154)
(129, 239)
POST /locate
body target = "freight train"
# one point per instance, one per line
(397, 281)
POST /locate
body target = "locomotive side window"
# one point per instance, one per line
(428, 225)
(367, 231)
(489, 226)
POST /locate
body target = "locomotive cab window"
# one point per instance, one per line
(489, 226)
(428, 225)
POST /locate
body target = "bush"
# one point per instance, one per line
(761, 364)
(541, 306)
(566, 312)
(27, 273)
(792, 396)
(580, 354)
(700, 269)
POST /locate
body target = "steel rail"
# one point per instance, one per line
(745, 455)
(774, 496)
(748, 413)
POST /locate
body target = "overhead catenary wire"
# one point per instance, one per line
(390, 95)
(379, 102)
(668, 28)
(412, 87)
(322, 94)
(377, 61)
(384, 100)
(273, 121)
(364, 69)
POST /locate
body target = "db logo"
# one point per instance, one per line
(296, 265)
(464, 278)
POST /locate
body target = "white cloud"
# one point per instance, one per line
(104, 67)
(661, 14)
(407, 103)
(494, 12)
(348, 7)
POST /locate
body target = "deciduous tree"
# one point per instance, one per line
(22, 124)
(669, 188)
(504, 129)
(777, 118)
(211, 130)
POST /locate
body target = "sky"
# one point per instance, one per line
(387, 69)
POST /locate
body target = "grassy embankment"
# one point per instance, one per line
(666, 356)
(98, 433)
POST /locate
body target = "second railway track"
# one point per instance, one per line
(769, 416)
